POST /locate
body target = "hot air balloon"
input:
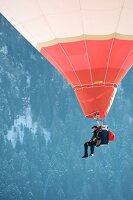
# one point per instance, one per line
(90, 42)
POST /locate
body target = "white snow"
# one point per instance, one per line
(28, 80)
(24, 121)
(120, 92)
(18, 126)
(46, 135)
(130, 119)
(4, 50)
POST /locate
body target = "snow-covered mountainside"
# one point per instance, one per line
(42, 132)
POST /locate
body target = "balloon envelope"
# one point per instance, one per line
(89, 42)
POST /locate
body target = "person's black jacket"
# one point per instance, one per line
(103, 135)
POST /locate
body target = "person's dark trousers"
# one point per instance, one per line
(92, 144)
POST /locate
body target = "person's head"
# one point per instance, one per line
(94, 128)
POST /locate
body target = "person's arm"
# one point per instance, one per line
(94, 137)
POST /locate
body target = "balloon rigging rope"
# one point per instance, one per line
(93, 113)
(122, 66)
(86, 50)
(58, 66)
(87, 55)
(70, 63)
(50, 28)
(112, 44)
